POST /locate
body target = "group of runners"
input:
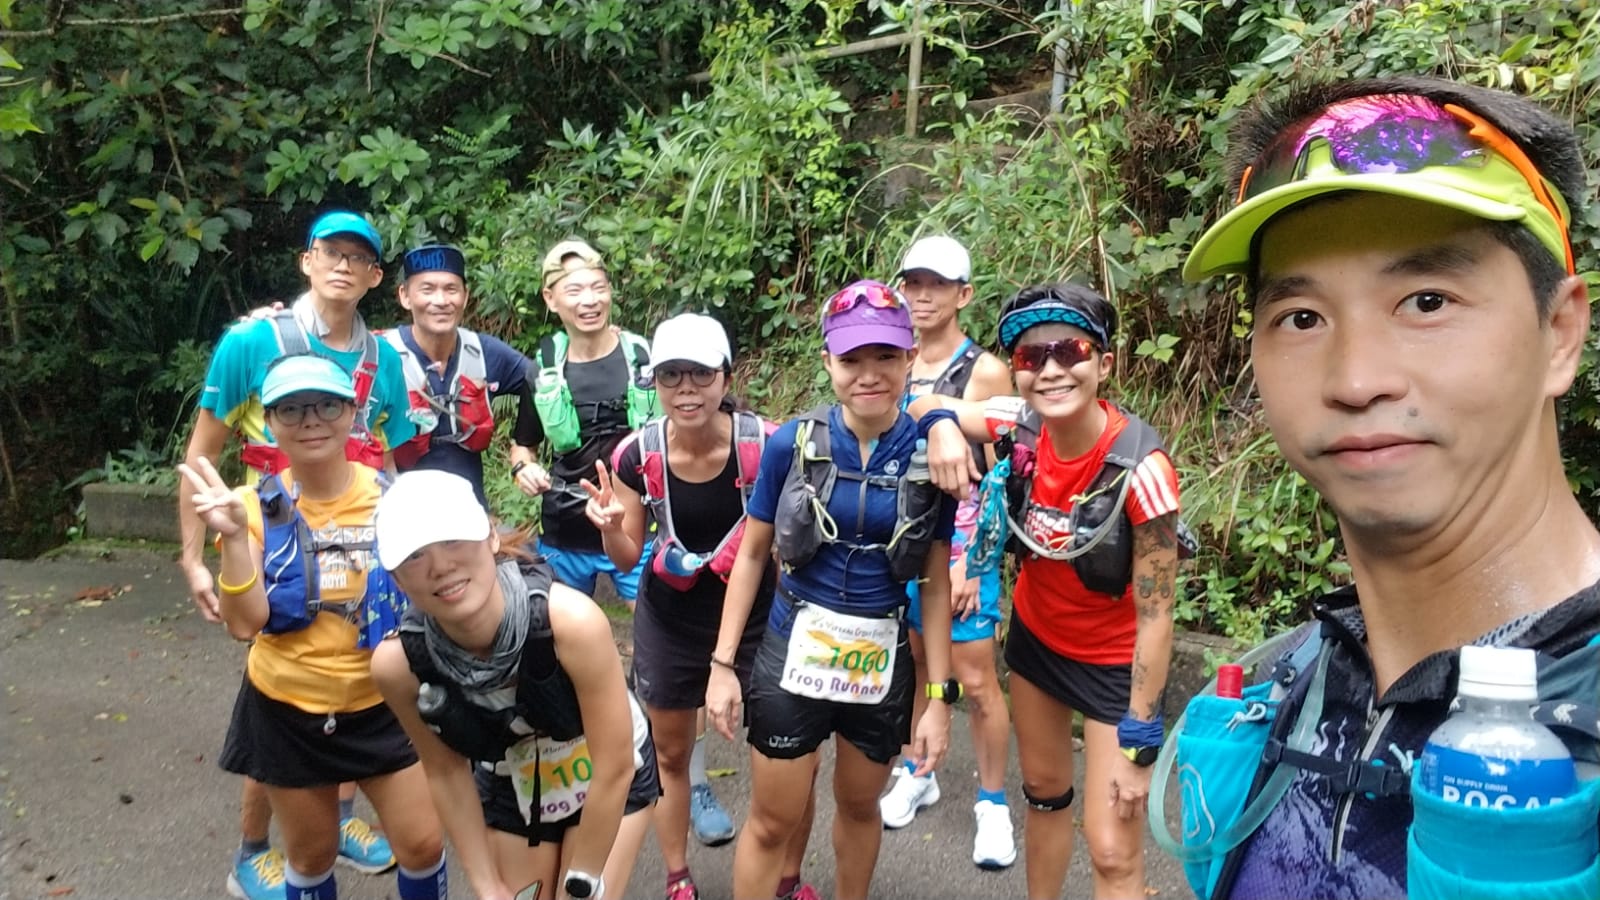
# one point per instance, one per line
(838, 575)
(806, 580)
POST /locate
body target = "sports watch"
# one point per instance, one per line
(583, 886)
(1143, 757)
(948, 690)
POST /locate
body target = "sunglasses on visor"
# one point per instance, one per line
(1396, 134)
(870, 294)
(1067, 353)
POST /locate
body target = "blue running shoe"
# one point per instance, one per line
(711, 823)
(258, 876)
(363, 849)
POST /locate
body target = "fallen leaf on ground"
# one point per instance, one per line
(59, 892)
(94, 596)
(720, 773)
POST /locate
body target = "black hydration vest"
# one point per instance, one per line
(546, 702)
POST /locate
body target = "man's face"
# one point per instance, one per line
(581, 298)
(934, 299)
(435, 301)
(340, 269)
(1402, 364)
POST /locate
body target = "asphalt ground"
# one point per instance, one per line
(116, 698)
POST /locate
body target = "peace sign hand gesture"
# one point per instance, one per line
(217, 505)
(602, 509)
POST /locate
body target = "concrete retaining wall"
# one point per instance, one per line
(131, 512)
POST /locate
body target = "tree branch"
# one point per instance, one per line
(56, 26)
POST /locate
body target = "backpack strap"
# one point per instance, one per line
(635, 351)
(749, 440)
(653, 466)
(952, 382)
(280, 509)
(813, 448)
(470, 361)
(291, 337)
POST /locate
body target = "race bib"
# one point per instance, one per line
(560, 770)
(833, 656)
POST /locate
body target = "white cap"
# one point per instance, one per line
(691, 337)
(941, 255)
(426, 506)
(1499, 673)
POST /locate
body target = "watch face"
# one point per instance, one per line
(579, 888)
(1146, 756)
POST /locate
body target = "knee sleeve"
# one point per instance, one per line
(1048, 804)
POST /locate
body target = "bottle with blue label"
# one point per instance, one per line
(1490, 752)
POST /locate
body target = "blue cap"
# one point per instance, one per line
(305, 373)
(434, 258)
(337, 223)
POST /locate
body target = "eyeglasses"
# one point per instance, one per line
(1396, 134)
(331, 258)
(671, 377)
(872, 294)
(1067, 353)
(328, 409)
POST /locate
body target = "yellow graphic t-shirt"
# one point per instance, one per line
(319, 669)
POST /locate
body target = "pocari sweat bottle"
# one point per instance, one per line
(1490, 752)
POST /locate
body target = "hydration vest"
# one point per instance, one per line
(292, 575)
(552, 397)
(953, 381)
(546, 703)
(1236, 758)
(802, 524)
(466, 403)
(362, 446)
(1101, 546)
(749, 439)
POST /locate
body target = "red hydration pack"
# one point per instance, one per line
(749, 439)
(466, 404)
(362, 446)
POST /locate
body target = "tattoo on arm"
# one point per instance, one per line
(1155, 556)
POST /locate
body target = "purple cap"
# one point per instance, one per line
(870, 312)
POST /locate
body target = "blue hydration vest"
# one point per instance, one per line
(292, 575)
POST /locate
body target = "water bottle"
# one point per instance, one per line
(1490, 752)
(430, 699)
(676, 560)
(917, 469)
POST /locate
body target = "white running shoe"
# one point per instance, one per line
(907, 795)
(995, 844)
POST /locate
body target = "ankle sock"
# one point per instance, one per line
(309, 887)
(347, 808)
(249, 848)
(697, 762)
(787, 884)
(432, 883)
(996, 797)
(911, 767)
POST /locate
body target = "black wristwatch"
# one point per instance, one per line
(948, 690)
(583, 886)
(1143, 757)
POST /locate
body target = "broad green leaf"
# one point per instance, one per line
(1187, 20)
(152, 247)
(1282, 47)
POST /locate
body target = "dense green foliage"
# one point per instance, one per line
(157, 177)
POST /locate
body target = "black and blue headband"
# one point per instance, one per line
(1049, 310)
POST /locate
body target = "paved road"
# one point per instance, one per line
(114, 711)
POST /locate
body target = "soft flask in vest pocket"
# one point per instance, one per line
(474, 424)
(1107, 566)
(552, 399)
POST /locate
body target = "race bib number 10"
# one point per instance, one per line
(833, 656)
(561, 770)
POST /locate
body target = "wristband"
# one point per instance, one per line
(234, 590)
(1133, 732)
(725, 665)
(933, 417)
(518, 467)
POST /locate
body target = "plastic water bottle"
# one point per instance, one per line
(917, 469)
(678, 561)
(1490, 752)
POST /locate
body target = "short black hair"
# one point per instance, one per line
(1549, 141)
